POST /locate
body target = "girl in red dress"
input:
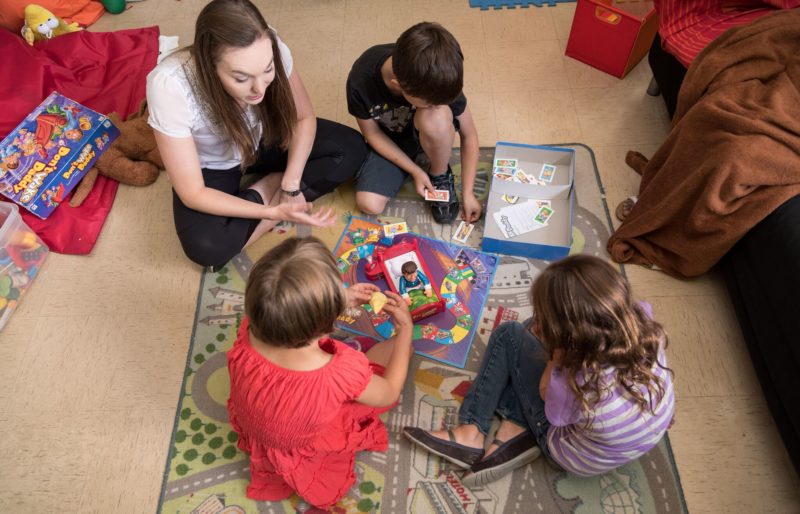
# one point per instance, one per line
(302, 403)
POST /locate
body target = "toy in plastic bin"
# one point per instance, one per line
(411, 285)
(21, 256)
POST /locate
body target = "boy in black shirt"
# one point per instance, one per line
(407, 100)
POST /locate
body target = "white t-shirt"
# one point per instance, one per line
(176, 111)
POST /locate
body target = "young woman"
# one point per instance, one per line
(232, 104)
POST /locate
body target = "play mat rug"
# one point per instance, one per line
(207, 474)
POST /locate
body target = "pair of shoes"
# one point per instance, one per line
(445, 212)
(460, 455)
(510, 455)
(625, 206)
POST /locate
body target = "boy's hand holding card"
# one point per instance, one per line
(437, 195)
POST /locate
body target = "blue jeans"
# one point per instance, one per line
(508, 383)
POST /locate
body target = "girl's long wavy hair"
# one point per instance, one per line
(584, 307)
(226, 24)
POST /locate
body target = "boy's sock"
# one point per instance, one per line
(445, 212)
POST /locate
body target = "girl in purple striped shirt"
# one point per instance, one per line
(585, 381)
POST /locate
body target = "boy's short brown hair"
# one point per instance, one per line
(294, 293)
(408, 267)
(428, 63)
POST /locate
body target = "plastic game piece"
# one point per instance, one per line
(391, 260)
(377, 301)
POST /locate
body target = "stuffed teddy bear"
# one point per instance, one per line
(41, 24)
(131, 159)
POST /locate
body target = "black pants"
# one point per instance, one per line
(210, 240)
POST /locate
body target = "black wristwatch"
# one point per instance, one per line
(296, 192)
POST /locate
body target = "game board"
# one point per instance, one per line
(461, 276)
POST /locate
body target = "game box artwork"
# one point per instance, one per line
(46, 156)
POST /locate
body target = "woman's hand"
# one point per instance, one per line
(285, 198)
(422, 182)
(359, 294)
(397, 307)
(302, 213)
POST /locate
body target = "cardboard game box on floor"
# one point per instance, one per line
(45, 157)
(513, 204)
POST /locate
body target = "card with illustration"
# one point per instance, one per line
(547, 173)
(544, 214)
(505, 163)
(437, 195)
(504, 170)
(395, 229)
(463, 231)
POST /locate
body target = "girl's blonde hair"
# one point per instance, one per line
(585, 307)
(294, 293)
(226, 24)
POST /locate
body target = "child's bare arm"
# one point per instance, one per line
(470, 148)
(554, 361)
(384, 391)
(387, 148)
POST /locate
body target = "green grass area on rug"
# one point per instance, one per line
(206, 473)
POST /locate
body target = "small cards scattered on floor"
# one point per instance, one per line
(437, 195)
(462, 232)
(519, 218)
(508, 169)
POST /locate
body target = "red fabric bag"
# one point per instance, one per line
(104, 71)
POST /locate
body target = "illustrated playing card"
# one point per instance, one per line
(510, 199)
(510, 163)
(437, 195)
(394, 229)
(504, 170)
(547, 173)
(463, 231)
(543, 215)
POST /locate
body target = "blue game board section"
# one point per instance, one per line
(511, 4)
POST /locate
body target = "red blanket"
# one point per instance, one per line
(732, 156)
(103, 71)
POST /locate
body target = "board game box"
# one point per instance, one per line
(44, 158)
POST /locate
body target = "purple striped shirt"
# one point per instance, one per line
(618, 432)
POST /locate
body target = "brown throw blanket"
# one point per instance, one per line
(732, 156)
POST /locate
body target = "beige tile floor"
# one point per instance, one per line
(91, 364)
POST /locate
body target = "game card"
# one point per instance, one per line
(521, 176)
(547, 173)
(510, 163)
(437, 195)
(462, 232)
(394, 229)
(504, 170)
(543, 215)
(510, 199)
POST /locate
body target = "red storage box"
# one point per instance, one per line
(612, 35)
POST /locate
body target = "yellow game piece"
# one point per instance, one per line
(377, 301)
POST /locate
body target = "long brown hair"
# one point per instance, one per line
(294, 293)
(585, 307)
(238, 23)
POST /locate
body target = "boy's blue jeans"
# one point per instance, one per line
(508, 383)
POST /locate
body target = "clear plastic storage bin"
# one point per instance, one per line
(21, 256)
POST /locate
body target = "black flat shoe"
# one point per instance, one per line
(510, 455)
(458, 454)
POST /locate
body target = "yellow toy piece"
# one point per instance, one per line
(41, 24)
(377, 301)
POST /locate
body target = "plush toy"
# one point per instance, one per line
(131, 159)
(41, 24)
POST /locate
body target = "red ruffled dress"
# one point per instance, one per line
(302, 429)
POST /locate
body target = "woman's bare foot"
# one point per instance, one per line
(505, 432)
(467, 435)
